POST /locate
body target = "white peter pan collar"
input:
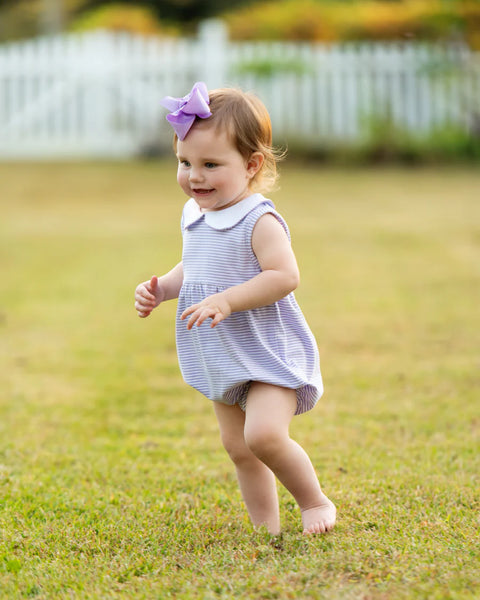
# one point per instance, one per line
(225, 218)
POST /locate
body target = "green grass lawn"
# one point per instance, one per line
(113, 481)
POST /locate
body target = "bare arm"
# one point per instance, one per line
(150, 294)
(278, 278)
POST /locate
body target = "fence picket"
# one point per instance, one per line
(99, 93)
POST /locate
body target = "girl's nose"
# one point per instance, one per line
(195, 174)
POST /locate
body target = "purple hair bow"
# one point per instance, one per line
(186, 109)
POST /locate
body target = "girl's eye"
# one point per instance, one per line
(185, 163)
(210, 165)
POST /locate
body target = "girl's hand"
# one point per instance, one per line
(148, 295)
(214, 307)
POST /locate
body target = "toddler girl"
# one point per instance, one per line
(242, 340)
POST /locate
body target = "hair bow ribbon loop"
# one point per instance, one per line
(185, 110)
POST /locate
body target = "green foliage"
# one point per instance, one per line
(26, 18)
(121, 17)
(453, 143)
(387, 144)
(112, 478)
(325, 20)
(336, 20)
(385, 141)
(269, 67)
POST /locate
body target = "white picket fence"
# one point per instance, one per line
(98, 94)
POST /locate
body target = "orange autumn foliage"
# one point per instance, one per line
(313, 20)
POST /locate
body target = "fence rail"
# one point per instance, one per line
(98, 94)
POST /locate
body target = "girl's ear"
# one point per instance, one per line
(254, 164)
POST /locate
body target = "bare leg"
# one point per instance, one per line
(269, 412)
(256, 480)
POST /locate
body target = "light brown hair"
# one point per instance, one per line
(245, 119)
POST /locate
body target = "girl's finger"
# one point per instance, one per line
(198, 317)
(216, 320)
(145, 292)
(205, 314)
(193, 319)
(153, 284)
(143, 304)
(189, 311)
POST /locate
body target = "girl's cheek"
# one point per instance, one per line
(180, 177)
(182, 180)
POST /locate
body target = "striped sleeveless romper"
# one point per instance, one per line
(272, 344)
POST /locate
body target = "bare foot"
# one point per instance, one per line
(319, 519)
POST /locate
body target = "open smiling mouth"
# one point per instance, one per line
(200, 192)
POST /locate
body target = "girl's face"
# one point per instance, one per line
(212, 171)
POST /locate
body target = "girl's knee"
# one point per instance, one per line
(263, 441)
(236, 449)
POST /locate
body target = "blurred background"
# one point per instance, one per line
(374, 80)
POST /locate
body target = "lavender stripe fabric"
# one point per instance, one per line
(272, 344)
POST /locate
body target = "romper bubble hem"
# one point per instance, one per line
(272, 344)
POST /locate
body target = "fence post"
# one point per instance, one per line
(213, 48)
